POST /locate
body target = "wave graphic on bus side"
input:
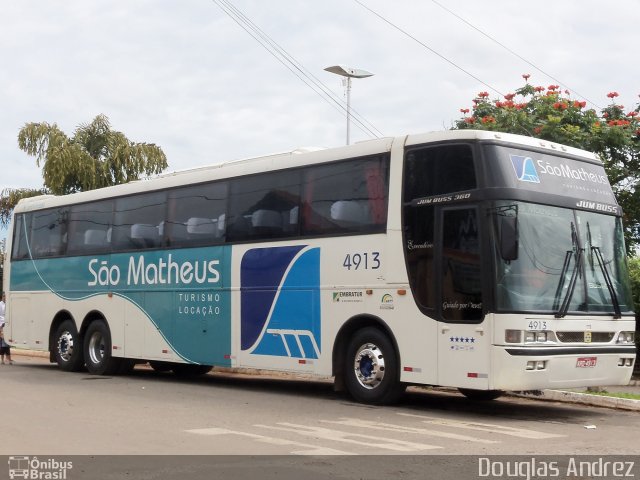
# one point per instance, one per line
(280, 298)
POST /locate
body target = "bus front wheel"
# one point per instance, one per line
(67, 347)
(97, 350)
(371, 368)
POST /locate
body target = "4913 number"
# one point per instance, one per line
(362, 261)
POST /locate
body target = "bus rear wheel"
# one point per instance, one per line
(97, 350)
(371, 368)
(67, 347)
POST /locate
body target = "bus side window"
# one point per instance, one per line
(263, 207)
(90, 227)
(195, 215)
(20, 247)
(346, 197)
(137, 221)
(48, 232)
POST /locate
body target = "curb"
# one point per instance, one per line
(28, 353)
(544, 395)
(585, 399)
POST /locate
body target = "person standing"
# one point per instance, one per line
(5, 349)
(2, 307)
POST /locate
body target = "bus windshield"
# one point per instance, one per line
(567, 262)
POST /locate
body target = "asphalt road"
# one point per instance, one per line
(47, 412)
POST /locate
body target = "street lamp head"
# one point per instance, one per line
(348, 71)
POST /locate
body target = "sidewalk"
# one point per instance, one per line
(584, 397)
(573, 395)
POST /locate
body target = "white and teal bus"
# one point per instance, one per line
(468, 259)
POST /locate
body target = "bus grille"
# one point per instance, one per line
(578, 337)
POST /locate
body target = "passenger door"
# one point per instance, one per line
(463, 345)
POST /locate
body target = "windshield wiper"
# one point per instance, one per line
(561, 310)
(577, 269)
(608, 282)
(563, 273)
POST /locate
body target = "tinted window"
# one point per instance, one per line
(438, 170)
(137, 221)
(48, 232)
(420, 247)
(346, 197)
(196, 215)
(461, 273)
(264, 206)
(19, 243)
(90, 228)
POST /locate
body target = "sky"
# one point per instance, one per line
(185, 76)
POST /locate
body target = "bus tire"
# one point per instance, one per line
(371, 368)
(97, 350)
(190, 369)
(480, 395)
(67, 347)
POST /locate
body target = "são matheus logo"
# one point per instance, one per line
(33, 468)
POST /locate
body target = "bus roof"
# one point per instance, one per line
(294, 158)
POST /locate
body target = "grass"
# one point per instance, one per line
(604, 393)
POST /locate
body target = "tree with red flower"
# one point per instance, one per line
(551, 114)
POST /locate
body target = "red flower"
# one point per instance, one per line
(488, 119)
(526, 76)
(539, 89)
(483, 94)
(509, 96)
(613, 94)
(537, 130)
(464, 110)
(560, 106)
(632, 114)
(520, 106)
(619, 123)
(470, 120)
(553, 87)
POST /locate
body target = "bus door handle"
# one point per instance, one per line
(480, 330)
(445, 329)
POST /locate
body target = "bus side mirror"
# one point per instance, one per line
(509, 238)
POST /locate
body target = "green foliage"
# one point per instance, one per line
(10, 196)
(551, 114)
(95, 156)
(634, 275)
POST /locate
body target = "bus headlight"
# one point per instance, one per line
(515, 336)
(625, 337)
(535, 337)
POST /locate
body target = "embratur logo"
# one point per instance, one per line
(525, 168)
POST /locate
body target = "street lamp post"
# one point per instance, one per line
(348, 73)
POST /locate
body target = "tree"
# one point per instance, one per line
(551, 114)
(95, 156)
(10, 196)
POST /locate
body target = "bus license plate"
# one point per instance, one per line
(586, 362)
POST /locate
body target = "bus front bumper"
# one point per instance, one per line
(535, 368)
